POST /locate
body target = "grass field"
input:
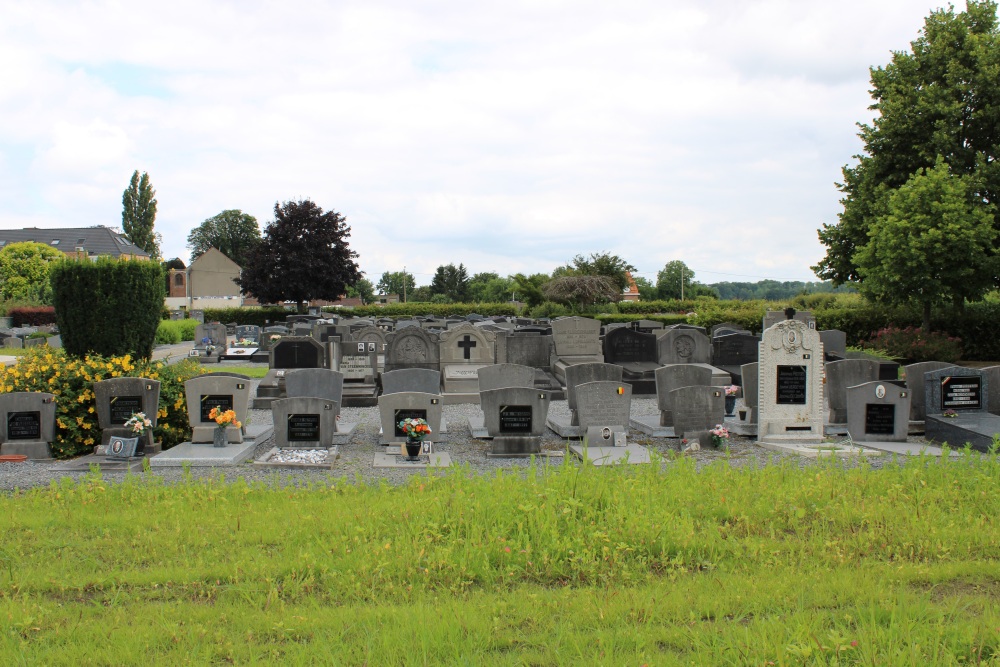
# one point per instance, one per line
(823, 565)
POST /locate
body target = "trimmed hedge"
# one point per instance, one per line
(107, 307)
(666, 319)
(414, 309)
(171, 332)
(32, 316)
(248, 316)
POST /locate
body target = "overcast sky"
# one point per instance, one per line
(506, 135)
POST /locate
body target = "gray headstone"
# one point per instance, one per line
(603, 404)
(118, 398)
(515, 419)
(316, 382)
(464, 350)
(834, 342)
(575, 340)
(684, 346)
(500, 376)
(675, 376)
(249, 332)
(750, 386)
(843, 374)
(214, 331)
(914, 374)
(956, 388)
(198, 315)
(297, 352)
(878, 411)
(528, 349)
(27, 424)
(420, 380)
(304, 421)
(579, 374)
(993, 372)
(227, 392)
(790, 399)
(697, 408)
(395, 407)
(412, 347)
(774, 316)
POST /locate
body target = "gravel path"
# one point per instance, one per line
(356, 458)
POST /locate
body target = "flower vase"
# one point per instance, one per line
(730, 405)
(413, 447)
(219, 437)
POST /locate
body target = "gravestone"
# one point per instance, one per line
(215, 332)
(401, 405)
(993, 373)
(358, 363)
(248, 332)
(464, 350)
(582, 373)
(773, 317)
(684, 346)
(725, 328)
(515, 418)
(225, 392)
(834, 344)
(956, 401)
(790, 395)
(751, 384)
(647, 326)
(696, 410)
(603, 404)
(914, 375)
(198, 315)
(412, 347)
(668, 379)
(421, 380)
(376, 335)
(316, 382)
(287, 353)
(636, 353)
(27, 424)
(13, 342)
(501, 376)
(117, 399)
(878, 411)
(531, 349)
(843, 374)
(731, 351)
(304, 422)
(575, 340)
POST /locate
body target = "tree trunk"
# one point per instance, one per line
(300, 307)
(926, 325)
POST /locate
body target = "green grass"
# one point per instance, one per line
(821, 565)
(257, 371)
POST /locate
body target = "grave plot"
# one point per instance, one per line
(956, 400)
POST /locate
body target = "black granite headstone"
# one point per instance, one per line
(297, 354)
(123, 407)
(303, 428)
(791, 385)
(880, 419)
(963, 392)
(24, 425)
(625, 345)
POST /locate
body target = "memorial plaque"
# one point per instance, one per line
(355, 366)
(880, 419)
(963, 392)
(400, 415)
(123, 407)
(303, 428)
(208, 401)
(791, 385)
(122, 448)
(24, 425)
(625, 345)
(515, 419)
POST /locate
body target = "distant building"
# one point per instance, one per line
(80, 242)
(207, 283)
(631, 293)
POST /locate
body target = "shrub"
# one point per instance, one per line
(72, 380)
(914, 345)
(108, 307)
(32, 316)
(666, 319)
(421, 308)
(548, 309)
(248, 316)
(171, 332)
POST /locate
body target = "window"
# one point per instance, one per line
(179, 280)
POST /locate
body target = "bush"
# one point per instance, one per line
(548, 309)
(421, 308)
(248, 316)
(171, 332)
(32, 316)
(666, 319)
(72, 381)
(913, 345)
(654, 307)
(108, 307)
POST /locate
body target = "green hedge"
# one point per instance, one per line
(666, 319)
(415, 309)
(248, 316)
(107, 307)
(171, 332)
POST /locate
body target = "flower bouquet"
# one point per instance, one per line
(720, 436)
(415, 431)
(732, 390)
(138, 423)
(223, 420)
(949, 413)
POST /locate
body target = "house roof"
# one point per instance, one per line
(94, 240)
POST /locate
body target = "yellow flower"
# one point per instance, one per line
(88, 441)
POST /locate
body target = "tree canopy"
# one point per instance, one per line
(604, 264)
(452, 282)
(234, 233)
(400, 283)
(941, 99)
(24, 271)
(580, 291)
(139, 214)
(304, 255)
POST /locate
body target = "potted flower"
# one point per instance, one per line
(720, 436)
(415, 431)
(731, 392)
(139, 424)
(223, 420)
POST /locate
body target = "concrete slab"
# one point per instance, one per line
(267, 460)
(477, 426)
(544, 454)
(103, 463)
(650, 425)
(600, 456)
(435, 460)
(561, 425)
(204, 455)
(822, 450)
(835, 429)
(907, 448)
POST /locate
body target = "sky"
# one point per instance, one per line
(508, 136)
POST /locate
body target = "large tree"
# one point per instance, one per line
(234, 233)
(139, 213)
(364, 290)
(400, 283)
(24, 271)
(580, 291)
(304, 255)
(675, 281)
(489, 287)
(452, 282)
(941, 99)
(934, 243)
(604, 264)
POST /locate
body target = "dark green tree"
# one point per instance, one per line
(364, 290)
(528, 289)
(675, 281)
(451, 281)
(943, 98)
(400, 283)
(234, 233)
(304, 255)
(647, 290)
(935, 243)
(139, 213)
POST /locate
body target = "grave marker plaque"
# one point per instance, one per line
(964, 392)
(791, 385)
(515, 418)
(400, 415)
(303, 428)
(208, 401)
(123, 407)
(880, 419)
(24, 425)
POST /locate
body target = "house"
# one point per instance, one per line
(630, 293)
(92, 242)
(207, 283)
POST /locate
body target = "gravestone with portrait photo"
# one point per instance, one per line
(956, 400)
(878, 411)
(27, 424)
(117, 399)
